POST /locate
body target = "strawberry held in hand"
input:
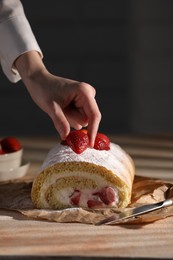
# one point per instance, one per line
(78, 141)
(10, 144)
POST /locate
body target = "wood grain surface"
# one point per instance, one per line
(22, 238)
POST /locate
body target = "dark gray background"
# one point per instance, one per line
(123, 48)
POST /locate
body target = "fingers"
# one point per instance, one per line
(89, 116)
(60, 122)
(94, 117)
(90, 109)
(76, 117)
(79, 109)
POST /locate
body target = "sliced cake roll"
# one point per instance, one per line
(93, 178)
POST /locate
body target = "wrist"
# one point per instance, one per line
(30, 65)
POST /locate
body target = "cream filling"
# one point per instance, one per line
(64, 194)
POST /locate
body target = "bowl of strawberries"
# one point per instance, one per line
(11, 153)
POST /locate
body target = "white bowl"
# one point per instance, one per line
(10, 161)
(16, 173)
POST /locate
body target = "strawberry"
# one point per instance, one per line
(102, 142)
(107, 195)
(75, 197)
(84, 131)
(64, 142)
(78, 141)
(94, 204)
(2, 152)
(10, 144)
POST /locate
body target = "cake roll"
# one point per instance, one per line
(90, 179)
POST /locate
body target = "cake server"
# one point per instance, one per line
(133, 212)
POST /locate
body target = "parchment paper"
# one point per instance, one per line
(16, 196)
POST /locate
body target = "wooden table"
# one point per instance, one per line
(23, 238)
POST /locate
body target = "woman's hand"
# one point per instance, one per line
(68, 103)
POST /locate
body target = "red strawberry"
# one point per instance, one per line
(78, 141)
(84, 131)
(107, 195)
(2, 152)
(10, 144)
(102, 142)
(94, 204)
(75, 198)
(64, 142)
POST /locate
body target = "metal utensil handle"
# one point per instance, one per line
(168, 202)
(151, 207)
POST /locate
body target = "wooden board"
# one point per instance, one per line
(20, 236)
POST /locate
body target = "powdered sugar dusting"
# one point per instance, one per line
(115, 159)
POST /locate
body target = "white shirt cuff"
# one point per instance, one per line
(16, 38)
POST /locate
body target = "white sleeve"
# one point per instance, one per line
(16, 37)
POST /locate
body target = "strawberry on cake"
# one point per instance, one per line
(75, 175)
